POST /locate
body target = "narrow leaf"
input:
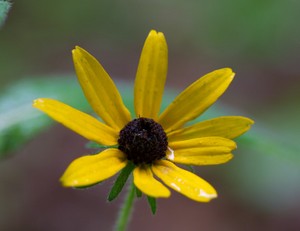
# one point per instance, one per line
(190, 168)
(152, 204)
(120, 181)
(94, 145)
(88, 186)
(138, 192)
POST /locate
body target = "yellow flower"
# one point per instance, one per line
(152, 141)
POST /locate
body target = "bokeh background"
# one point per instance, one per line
(260, 40)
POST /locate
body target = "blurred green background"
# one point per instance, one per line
(260, 40)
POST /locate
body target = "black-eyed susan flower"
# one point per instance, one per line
(152, 141)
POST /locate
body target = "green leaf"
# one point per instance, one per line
(120, 181)
(271, 142)
(20, 122)
(138, 192)
(4, 8)
(265, 176)
(94, 145)
(190, 168)
(152, 204)
(88, 186)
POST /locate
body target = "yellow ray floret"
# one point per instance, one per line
(225, 126)
(202, 151)
(184, 181)
(89, 170)
(151, 76)
(80, 122)
(195, 99)
(100, 90)
(144, 181)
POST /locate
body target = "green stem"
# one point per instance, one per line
(126, 210)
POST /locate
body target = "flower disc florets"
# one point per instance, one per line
(143, 141)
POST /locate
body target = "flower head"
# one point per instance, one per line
(153, 142)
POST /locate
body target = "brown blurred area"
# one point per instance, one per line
(259, 40)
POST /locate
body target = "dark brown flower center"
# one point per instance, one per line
(143, 141)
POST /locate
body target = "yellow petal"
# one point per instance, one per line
(201, 151)
(144, 181)
(100, 90)
(88, 170)
(195, 99)
(81, 123)
(226, 126)
(184, 181)
(151, 76)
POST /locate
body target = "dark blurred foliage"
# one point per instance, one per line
(260, 40)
